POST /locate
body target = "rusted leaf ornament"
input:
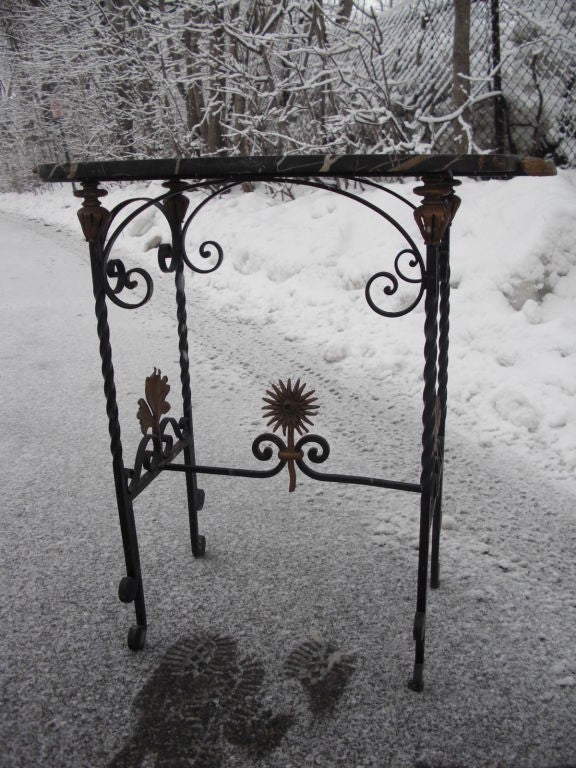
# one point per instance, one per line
(151, 410)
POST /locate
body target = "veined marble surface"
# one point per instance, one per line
(294, 166)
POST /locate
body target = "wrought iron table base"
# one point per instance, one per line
(165, 438)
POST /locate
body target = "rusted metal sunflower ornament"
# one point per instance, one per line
(290, 407)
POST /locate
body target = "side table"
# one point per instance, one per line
(289, 406)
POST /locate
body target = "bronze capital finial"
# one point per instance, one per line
(93, 216)
(438, 207)
(176, 204)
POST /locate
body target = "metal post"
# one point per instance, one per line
(443, 345)
(433, 217)
(94, 219)
(176, 207)
(499, 103)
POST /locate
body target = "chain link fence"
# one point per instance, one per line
(538, 51)
(524, 50)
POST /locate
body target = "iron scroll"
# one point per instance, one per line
(120, 282)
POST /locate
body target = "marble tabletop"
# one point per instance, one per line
(295, 166)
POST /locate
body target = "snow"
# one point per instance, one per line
(325, 575)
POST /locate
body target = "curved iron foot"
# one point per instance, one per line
(199, 546)
(417, 681)
(127, 589)
(136, 637)
(197, 540)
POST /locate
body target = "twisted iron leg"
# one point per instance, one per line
(194, 494)
(427, 479)
(131, 588)
(443, 339)
(433, 217)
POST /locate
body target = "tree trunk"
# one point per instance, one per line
(344, 12)
(216, 104)
(192, 87)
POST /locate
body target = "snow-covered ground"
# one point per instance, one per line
(333, 563)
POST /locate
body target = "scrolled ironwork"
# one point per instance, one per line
(290, 453)
(394, 281)
(125, 280)
(265, 453)
(166, 260)
(168, 253)
(318, 452)
(206, 251)
(155, 449)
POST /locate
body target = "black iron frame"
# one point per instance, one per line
(430, 276)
